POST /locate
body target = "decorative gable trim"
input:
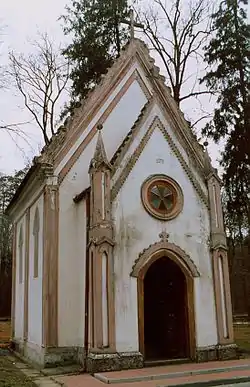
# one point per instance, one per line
(135, 156)
(107, 86)
(89, 137)
(121, 151)
(132, 161)
(184, 165)
(142, 84)
(164, 246)
(136, 56)
(175, 115)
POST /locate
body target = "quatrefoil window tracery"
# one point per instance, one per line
(162, 197)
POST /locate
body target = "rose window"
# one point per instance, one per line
(162, 197)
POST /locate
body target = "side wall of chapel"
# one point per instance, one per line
(27, 288)
(71, 268)
(35, 275)
(19, 278)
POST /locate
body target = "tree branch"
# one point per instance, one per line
(194, 94)
(40, 79)
(177, 34)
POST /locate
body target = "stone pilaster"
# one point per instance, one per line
(102, 314)
(50, 264)
(26, 276)
(219, 258)
(13, 299)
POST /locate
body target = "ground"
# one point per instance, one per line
(242, 338)
(10, 376)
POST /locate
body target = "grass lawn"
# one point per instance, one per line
(10, 376)
(242, 337)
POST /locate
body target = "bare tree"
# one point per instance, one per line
(14, 130)
(177, 31)
(41, 78)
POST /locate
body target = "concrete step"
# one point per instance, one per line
(166, 373)
(237, 381)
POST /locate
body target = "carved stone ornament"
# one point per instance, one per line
(162, 197)
(164, 247)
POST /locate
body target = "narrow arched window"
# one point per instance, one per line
(36, 228)
(103, 195)
(223, 296)
(20, 254)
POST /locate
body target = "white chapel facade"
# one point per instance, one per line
(119, 251)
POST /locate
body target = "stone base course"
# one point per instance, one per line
(46, 358)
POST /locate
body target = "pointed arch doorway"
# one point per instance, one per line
(165, 308)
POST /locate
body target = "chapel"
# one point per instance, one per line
(119, 249)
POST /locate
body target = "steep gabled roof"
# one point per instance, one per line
(72, 123)
(135, 49)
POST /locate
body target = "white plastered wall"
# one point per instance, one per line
(72, 217)
(19, 287)
(135, 230)
(35, 284)
(71, 269)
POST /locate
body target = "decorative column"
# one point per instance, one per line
(26, 276)
(50, 263)
(219, 260)
(102, 313)
(13, 296)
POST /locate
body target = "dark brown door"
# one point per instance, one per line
(165, 311)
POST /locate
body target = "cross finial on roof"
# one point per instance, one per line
(132, 23)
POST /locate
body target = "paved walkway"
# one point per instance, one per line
(216, 373)
(177, 375)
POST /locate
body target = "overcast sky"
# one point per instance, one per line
(22, 19)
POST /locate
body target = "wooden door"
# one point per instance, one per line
(166, 333)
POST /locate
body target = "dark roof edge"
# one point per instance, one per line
(37, 168)
(78, 198)
(21, 187)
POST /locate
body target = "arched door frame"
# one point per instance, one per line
(145, 260)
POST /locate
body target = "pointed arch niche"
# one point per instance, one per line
(148, 257)
(36, 229)
(223, 297)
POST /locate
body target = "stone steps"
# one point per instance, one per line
(167, 373)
